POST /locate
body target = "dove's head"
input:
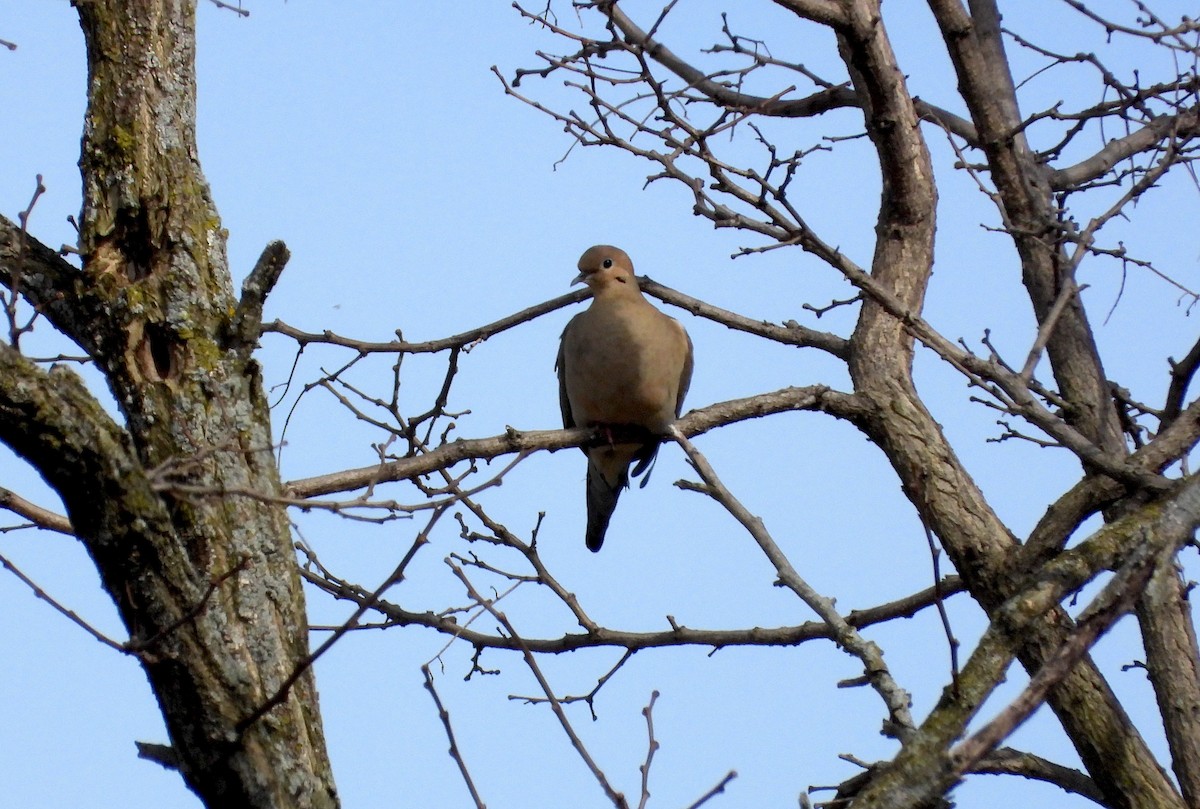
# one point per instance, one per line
(605, 265)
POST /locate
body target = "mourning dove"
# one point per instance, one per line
(621, 362)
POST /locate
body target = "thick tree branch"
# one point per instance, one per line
(825, 12)
(1092, 494)
(1164, 614)
(1182, 373)
(974, 41)
(1113, 602)
(1182, 126)
(1007, 761)
(52, 421)
(155, 303)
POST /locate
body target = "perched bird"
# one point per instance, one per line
(621, 362)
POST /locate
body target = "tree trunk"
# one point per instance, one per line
(175, 507)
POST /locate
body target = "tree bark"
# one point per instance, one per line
(1173, 665)
(205, 583)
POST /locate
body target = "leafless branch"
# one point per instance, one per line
(1007, 761)
(238, 10)
(717, 789)
(40, 517)
(1150, 137)
(618, 800)
(1182, 373)
(875, 670)
(1157, 31)
(515, 441)
(1068, 293)
(11, 300)
(951, 641)
(599, 636)
(1114, 601)
(464, 340)
(455, 753)
(69, 614)
(651, 748)
(589, 697)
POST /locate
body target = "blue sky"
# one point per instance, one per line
(373, 138)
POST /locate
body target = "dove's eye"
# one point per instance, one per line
(606, 264)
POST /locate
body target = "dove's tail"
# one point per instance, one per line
(602, 499)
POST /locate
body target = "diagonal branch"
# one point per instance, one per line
(40, 517)
(617, 798)
(1182, 126)
(1007, 761)
(1113, 602)
(926, 767)
(875, 670)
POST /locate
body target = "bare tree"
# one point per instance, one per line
(179, 502)
(644, 99)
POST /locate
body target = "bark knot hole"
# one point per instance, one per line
(158, 351)
(134, 235)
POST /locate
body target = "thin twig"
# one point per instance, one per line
(935, 554)
(14, 280)
(651, 749)
(462, 340)
(716, 790)
(72, 616)
(1065, 296)
(455, 753)
(589, 697)
(238, 10)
